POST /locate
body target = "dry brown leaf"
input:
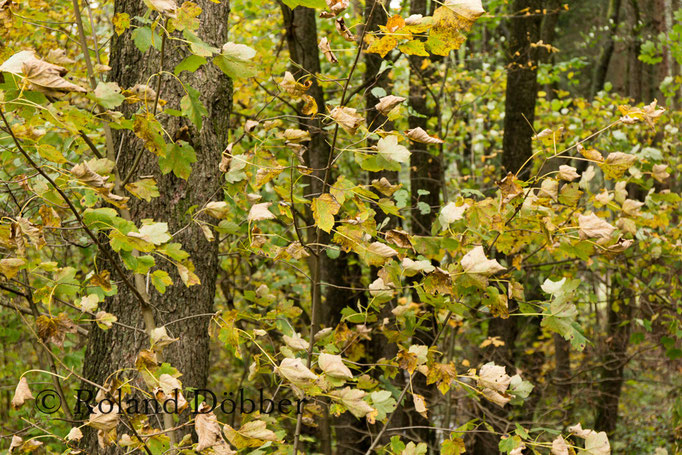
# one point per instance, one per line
(591, 226)
(387, 103)
(21, 394)
(260, 212)
(337, 6)
(43, 76)
(86, 175)
(165, 7)
(290, 85)
(104, 416)
(419, 135)
(327, 51)
(568, 173)
(343, 30)
(348, 118)
(333, 365)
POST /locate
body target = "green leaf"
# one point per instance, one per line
(50, 153)
(383, 402)
(192, 107)
(108, 94)
(197, 46)
(191, 63)
(144, 38)
(160, 280)
(179, 158)
(235, 61)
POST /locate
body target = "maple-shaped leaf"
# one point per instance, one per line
(324, 208)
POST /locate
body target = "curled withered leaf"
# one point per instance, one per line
(54, 330)
(660, 173)
(43, 76)
(468, 9)
(140, 93)
(382, 250)
(631, 207)
(494, 377)
(295, 135)
(381, 290)
(16, 442)
(568, 173)
(414, 19)
(413, 267)
(294, 371)
(208, 431)
(337, 6)
(59, 57)
(104, 416)
(420, 405)
(419, 135)
(75, 434)
(250, 125)
(343, 30)
(385, 187)
(591, 154)
(21, 394)
(323, 45)
(166, 7)
(559, 446)
(647, 114)
(387, 103)
(290, 85)
(621, 245)
(86, 175)
(160, 338)
(260, 212)
(348, 118)
(475, 262)
(399, 237)
(296, 342)
(309, 106)
(591, 226)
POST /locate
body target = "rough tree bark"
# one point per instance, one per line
(602, 67)
(113, 350)
(522, 87)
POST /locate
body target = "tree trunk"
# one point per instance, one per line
(301, 34)
(521, 94)
(602, 67)
(619, 312)
(521, 91)
(425, 187)
(116, 349)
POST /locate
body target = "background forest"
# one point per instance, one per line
(430, 227)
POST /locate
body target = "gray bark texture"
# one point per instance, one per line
(111, 351)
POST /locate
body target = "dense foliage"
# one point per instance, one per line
(377, 266)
